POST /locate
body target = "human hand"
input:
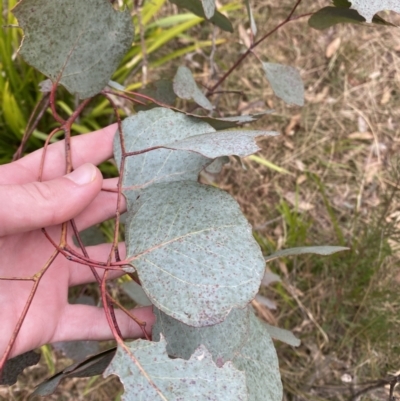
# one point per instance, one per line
(26, 207)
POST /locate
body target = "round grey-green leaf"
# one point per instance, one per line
(157, 127)
(76, 43)
(194, 252)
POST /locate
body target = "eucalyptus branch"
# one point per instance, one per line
(255, 44)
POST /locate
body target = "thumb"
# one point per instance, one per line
(41, 204)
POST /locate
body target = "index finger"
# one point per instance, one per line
(95, 147)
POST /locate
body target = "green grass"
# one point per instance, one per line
(19, 82)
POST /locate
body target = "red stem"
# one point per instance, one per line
(255, 44)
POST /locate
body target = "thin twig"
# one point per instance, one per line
(36, 278)
(32, 124)
(255, 44)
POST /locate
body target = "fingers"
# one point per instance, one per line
(42, 204)
(102, 208)
(94, 148)
(83, 322)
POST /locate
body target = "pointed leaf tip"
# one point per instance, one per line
(185, 87)
(285, 82)
(222, 143)
(301, 250)
(208, 7)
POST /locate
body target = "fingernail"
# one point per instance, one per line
(83, 175)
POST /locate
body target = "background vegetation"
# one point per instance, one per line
(335, 180)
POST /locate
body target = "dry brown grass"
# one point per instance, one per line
(347, 136)
(345, 309)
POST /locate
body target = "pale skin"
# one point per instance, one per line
(28, 205)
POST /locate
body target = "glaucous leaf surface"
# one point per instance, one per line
(16, 365)
(208, 7)
(194, 262)
(196, 7)
(93, 366)
(283, 335)
(185, 87)
(285, 82)
(241, 338)
(158, 127)
(147, 373)
(161, 91)
(136, 293)
(269, 278)
(216, 166)
(80, 42)
(368, 8)
(222, 340)
(268, 303)
(301, 250)
(222, 143)
(258, 359)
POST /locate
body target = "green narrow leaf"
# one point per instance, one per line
(80, 41)
(285, 82)
(195, 6)
(318, 250)
(147, 373)
(194, 262)
(185, 87)
(12, 113)
(368, 8)
(270, 165)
